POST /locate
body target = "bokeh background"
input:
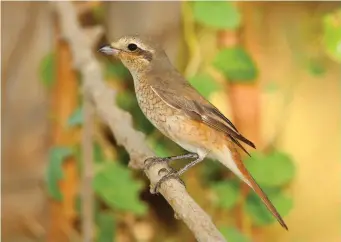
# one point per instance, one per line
(273, 68)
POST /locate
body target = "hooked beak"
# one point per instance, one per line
(109, 50)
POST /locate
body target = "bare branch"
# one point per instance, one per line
(120, 123)
(87, 172)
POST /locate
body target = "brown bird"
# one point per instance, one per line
(174, 107)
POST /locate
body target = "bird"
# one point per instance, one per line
(181, 113)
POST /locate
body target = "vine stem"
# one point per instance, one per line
(87, 171)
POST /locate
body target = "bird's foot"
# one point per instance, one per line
(171, 174)
(154, 160)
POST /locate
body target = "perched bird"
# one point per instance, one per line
(174, 107)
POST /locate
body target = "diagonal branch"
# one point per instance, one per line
(120, 123)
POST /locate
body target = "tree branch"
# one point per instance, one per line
(120, 123)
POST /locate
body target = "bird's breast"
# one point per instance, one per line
(153, 107)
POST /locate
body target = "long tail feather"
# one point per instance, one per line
(258, 190)
(231, 159)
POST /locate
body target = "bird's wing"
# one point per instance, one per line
(184, 97)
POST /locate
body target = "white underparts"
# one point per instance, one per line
(224, 156)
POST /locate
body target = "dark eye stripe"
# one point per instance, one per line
(146, 54)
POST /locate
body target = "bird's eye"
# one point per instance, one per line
(132, 47)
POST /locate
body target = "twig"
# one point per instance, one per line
(87, 172)
(191, 41)
(120, 123)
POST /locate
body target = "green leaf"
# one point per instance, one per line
(47, 70)
(116, 71)
(205, 84)
(233, 235)
(116, 186)
(220, 15)
(236, 65)
(107, 227)
(55, 171)
(260, 214)
(271, 170)
(332, 34)
(76, 118)
(227, 194)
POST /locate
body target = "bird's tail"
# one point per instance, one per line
(232, 160)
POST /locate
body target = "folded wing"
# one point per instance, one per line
(198, 108)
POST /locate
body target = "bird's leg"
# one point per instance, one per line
(177, 174)
(153, 160)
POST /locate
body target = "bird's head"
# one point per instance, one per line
(136, 53)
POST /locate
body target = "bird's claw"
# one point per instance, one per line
(149, 162)
(171, 174)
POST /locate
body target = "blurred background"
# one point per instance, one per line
(273, 68)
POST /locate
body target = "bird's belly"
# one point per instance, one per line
(193, 135)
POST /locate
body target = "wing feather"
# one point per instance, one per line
(198, 108)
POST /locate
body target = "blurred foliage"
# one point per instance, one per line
(211, 172)
(47, 70)
(98, 154)
(106, 227)
(227, 193)
(108, 187)
(332, 34)
(76, 118)
(160, 148)
(236, 64)
(55, 171)
(126, 100)
(260, 214)
(233, 235)
(273, 169)
(108, 182)
(105, 220)
(220, 15)
(316, 67)
(115, 71)
(205, 84)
